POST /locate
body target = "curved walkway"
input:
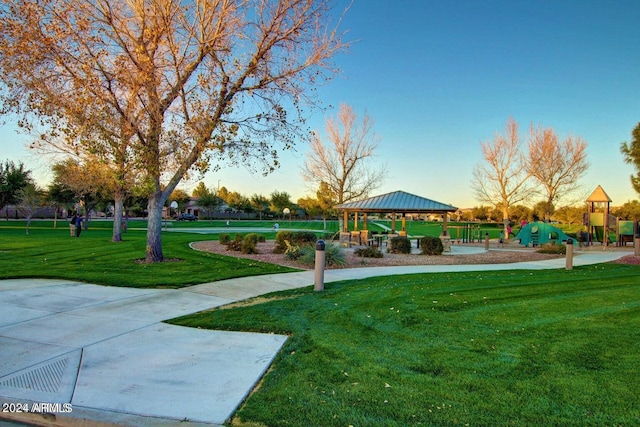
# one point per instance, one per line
(106, 351)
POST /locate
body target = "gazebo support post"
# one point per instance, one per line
(355, 234)
(445, 237)
(345, 237)
(403, 230)
(364, 234)
(605, 230)
(393, 223)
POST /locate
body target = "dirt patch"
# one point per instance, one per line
(252, 301)
(502, 256)
(628, 259)
(144, 261)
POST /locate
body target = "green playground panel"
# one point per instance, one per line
(626, 228)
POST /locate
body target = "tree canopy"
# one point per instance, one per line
(631, 152)
(557, 165)
(508, 174)
(502, 178)
(179, 86)
(343, 162)
(13, 179)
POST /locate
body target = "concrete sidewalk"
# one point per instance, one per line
(106, 351)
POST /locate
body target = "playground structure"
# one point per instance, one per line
(539, 233)
(602, 226)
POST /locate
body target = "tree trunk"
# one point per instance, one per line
(154, 228)
(117, 216)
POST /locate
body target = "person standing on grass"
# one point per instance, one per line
(72, 225)
(78, 225)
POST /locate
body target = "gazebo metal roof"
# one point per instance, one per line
(397, 201)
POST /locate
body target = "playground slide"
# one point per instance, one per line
(599, 235)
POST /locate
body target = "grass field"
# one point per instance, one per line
(547, 348)
(522, 348)
(93, 258)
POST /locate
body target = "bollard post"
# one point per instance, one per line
(569, 262)
(486, 241)
(637, 245)
(318, 284)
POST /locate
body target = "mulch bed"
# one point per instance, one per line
(491, 257)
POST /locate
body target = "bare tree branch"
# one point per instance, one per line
(501, 179)
(344, 163)
(189, 85)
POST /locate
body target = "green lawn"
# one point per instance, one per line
(506, 348)
(93, 258)
(522, 348)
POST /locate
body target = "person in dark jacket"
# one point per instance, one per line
(78, 225)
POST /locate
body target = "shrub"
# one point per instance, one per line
(234, 245)
(333, 255)
(292, 252)
(224, 238)
(261, 238)
(282, 237)
(400, 245)
(299, 238)
(431, 246)
(249, 244)
(368, 252)
(304, 238)
(552, 248)
(252, 237)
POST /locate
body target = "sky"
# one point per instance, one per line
(440, 77)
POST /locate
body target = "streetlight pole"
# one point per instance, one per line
(286, 211)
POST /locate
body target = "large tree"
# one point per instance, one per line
(30, 199)
(323, 204)
(13, 178)
(557, 166)
(259, 203)
(237, 201)
(502, 178)
(631, 153)
(279, 201)
(344, 162)
(192, 83)
(90, 183)
(58, 195)
(208, 201)
(326, 202)
(200, 190)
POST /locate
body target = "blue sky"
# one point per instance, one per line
(439, 77)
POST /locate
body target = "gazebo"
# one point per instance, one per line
(397, 202)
